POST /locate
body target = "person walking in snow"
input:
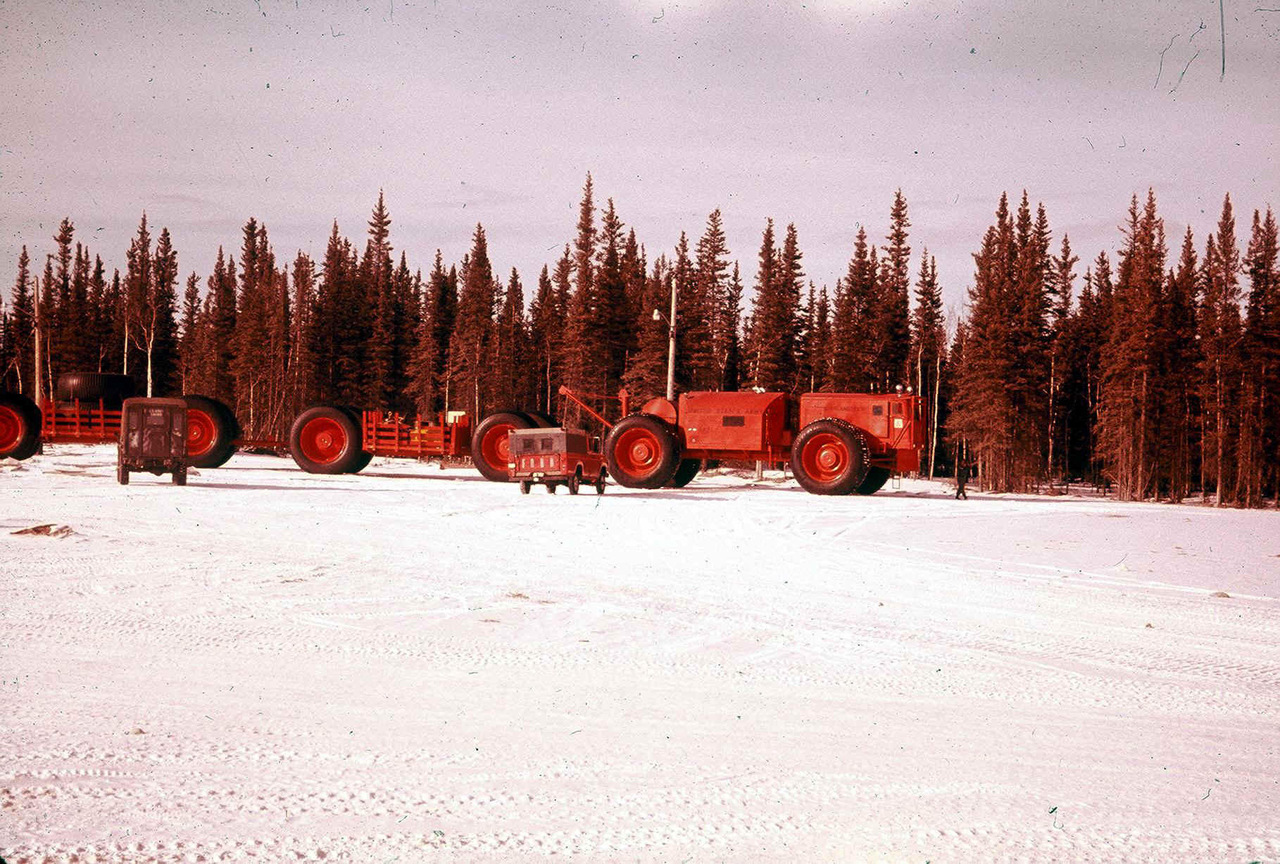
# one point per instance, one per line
(962, 475)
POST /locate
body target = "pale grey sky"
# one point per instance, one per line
(204, 114)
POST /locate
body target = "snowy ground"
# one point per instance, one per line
(417, 665)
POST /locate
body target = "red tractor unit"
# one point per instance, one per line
(836, 443)
(86, 409)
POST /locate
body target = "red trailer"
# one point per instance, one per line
(324, 439)
(836, 443)
(335, 439)
(87, 410)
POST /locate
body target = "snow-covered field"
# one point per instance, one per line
(417, 665)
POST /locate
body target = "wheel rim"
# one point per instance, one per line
(494, 447)
(11, 428)
(202, 432)
(825, 457)
(323, 440)
(638, 452)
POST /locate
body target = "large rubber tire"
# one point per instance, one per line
(112, 389)
(361, 463)
(325, 440)
(874, 481)
(541, 419)
(685, 472)
(211, 427)
(20, 422)
(642, 452)
(357, 417)
(489, 443)
(829, 457)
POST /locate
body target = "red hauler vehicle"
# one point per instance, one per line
(836, 443)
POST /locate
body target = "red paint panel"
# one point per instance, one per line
(733, 421)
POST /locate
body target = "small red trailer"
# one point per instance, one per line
(836, 443)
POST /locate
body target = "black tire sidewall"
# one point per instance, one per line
(496, 473)
(874, 481)
(847, 482)
(227, 430)
(686, 471)
(32, 420)
(668, 461)
(349, 457)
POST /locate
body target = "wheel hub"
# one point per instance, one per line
(825, 457)
(10, 428)
(828, 458)
(200, 433)
(495, 448)
(641, 452)
(323, 440)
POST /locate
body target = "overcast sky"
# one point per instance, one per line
(298, 112)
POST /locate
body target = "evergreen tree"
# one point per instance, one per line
(635, 276)
(188, 359)
(544, 323)
(472, 339)
(584, 346)
(704, 314)
(853, 325)
(101, 311)
(998, 413)
(428, 372)
(791, 291)
(379, 301)
(60, 312)
(647, 375)
(1059, 288)
(776, 317)
(302, 362)
(261, 338)
(78, 317)
(730, 328)
(1131, 356)
(222, 328)
(813, 356)
(339, 335)
(1178, 364)
(509, 376)
(1260, 468)
(162, 355)
(615, 316)
(1219, 329)
(139, 315)
(928, 344)
(892, 301)
(20, 359)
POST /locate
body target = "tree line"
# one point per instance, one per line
(1155, 378)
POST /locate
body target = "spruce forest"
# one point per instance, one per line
(1154, 375)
